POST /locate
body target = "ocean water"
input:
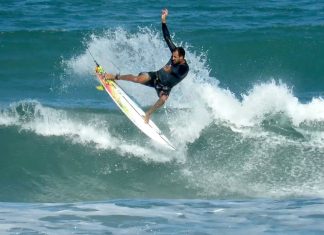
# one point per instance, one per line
(247, 122)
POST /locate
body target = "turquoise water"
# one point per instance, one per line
(247, 122)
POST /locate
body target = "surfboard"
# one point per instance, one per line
(132, 110)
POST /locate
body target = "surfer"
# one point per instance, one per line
(164, 79)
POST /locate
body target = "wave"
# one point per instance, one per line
(265, 138)
(262, 143)
(66, 154)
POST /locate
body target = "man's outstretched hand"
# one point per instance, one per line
(164, 15)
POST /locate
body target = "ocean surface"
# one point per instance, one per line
(247, 122)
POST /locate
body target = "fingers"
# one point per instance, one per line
(165, 12)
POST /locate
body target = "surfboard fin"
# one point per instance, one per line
(100, 88)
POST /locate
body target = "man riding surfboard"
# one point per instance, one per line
(164, 79)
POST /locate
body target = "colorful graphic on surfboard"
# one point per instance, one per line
(132, 110)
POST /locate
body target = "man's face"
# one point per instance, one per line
(176, 58)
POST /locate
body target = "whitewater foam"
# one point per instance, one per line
(200, 92)
(30, 115)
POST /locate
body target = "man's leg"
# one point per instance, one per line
(141, 78)
(160, 102)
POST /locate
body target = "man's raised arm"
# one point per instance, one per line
(165, 30)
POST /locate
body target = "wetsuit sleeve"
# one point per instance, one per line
(167, 37)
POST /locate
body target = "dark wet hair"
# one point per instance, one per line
(181, 51)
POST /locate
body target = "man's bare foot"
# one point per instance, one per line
(147, 118)
(109, 76)
(101, 76)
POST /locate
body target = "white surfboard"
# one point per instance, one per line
(134, 112)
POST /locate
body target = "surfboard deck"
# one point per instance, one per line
(133, 111)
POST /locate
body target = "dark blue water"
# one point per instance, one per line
(247, 122)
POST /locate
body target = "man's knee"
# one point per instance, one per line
(142, 78)
(163, 96)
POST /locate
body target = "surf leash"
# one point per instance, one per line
(99, 69)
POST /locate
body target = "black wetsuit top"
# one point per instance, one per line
(163, 81)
